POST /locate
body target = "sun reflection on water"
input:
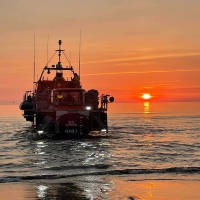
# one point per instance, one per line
(146, 107)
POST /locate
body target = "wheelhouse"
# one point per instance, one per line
(68, 97)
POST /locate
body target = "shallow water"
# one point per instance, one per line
(147, 141)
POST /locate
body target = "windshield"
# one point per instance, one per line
(67, 97)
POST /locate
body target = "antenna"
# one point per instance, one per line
(34, 63)
(47, 50)
(69, 58)
(79, 64)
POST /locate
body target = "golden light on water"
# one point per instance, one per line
(146, 107)
(153, 190)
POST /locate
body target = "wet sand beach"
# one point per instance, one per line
(121, 190)
(155, 190)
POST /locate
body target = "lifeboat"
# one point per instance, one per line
(60, 107)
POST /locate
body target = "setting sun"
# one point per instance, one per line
(146, 96)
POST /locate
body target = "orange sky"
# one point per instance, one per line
(129, 47)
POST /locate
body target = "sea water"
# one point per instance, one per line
(146, 141)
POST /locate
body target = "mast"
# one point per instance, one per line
(59, 66)
(59, 51)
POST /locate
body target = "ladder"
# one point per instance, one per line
(100, 122)
(45, 122)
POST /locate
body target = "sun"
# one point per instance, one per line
(146, 96)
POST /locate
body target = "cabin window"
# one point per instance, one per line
(63, 98)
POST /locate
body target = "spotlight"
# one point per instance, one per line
(88, 108)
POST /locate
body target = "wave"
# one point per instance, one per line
(173, 170)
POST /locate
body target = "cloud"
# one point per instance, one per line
(145, 58)
(142, 72)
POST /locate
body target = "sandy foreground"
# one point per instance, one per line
(155, 190)
(121, 190)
